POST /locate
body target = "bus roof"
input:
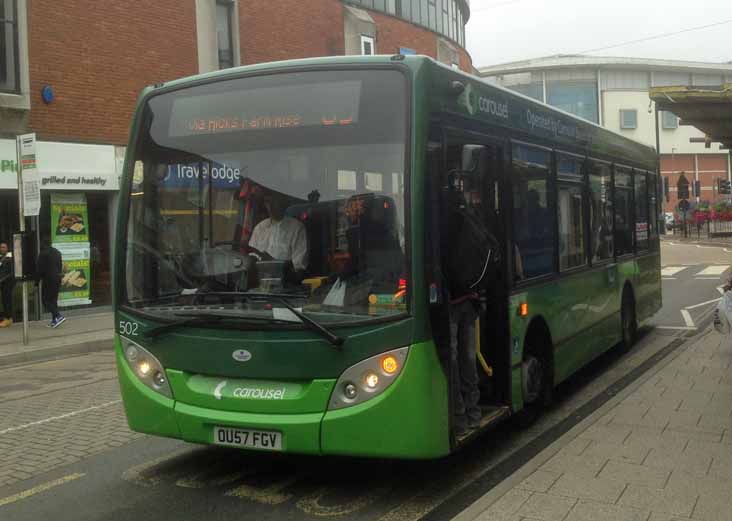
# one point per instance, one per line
(480, 100)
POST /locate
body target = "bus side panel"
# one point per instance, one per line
(146, 410)
(580, 311)
(409, 420)
(648, 287)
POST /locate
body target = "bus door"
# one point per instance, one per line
(474, 166)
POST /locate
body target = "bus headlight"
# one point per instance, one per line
(146, 367)
(367, 378)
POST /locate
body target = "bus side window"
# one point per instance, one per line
(623, 201)
(601, 211)
(533, 222)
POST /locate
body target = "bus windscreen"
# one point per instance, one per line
(245, 191)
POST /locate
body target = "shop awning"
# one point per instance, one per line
(707, 108)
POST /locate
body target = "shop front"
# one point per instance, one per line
(79, 190)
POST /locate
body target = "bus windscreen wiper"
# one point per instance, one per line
(334, 339)
(205, 319)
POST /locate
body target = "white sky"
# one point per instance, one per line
(500, 31)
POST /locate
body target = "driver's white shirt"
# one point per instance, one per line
(283, 240)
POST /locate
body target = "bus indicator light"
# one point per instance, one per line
(523, 309)
(389, 364)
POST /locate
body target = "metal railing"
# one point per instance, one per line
(700, 227)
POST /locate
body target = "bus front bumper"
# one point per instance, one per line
(407, 421)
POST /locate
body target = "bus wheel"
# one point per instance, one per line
(532, 372)
(535, 384)
(628, 324)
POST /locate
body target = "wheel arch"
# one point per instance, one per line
(538, 340)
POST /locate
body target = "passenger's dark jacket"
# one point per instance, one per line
(49, 266)
(6, 270)
(472, 256)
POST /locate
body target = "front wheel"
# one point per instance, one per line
(628, 323)
(536, 386)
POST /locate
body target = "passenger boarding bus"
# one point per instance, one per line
(281, 239)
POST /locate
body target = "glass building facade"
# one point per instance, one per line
(446, 17)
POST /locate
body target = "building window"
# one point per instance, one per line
(576, 97)
(367, 45)
(628, 118)
(442, 16)
(669, 120)
(9, 70)
(224, 41)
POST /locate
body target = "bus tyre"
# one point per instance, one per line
(536, 386)
(628, 324)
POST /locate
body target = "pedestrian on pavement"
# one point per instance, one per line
(49, 270)
(7, 284)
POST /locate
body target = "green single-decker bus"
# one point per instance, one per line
(279, 275)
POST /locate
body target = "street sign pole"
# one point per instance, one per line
(21, 216)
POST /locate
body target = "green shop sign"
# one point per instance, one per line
(8, 165)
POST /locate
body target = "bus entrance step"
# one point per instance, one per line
(491, 416)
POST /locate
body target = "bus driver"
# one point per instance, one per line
(281, 237)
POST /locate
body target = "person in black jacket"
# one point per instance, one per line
(471, 262)
(7, 284)
(49, 272)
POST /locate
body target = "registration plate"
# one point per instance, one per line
(251, 439)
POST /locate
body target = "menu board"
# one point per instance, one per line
(70, 236)
(76, 278)
(69, 219)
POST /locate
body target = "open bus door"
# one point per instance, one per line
(475, 167)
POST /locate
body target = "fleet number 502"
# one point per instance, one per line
(128, 328)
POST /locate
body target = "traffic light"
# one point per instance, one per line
(697, 188)
(723, 186)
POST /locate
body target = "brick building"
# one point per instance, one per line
(70, 71)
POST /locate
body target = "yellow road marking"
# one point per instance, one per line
(40, 488)
(137, 474)
(271, 495)
(312, 504)
(204, 480)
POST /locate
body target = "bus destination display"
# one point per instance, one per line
(284, 107)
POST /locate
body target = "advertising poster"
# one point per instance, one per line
(69, 219)
(76, 278)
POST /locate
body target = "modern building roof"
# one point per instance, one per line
(565, 61)
(707, 108)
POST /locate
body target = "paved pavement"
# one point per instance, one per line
(79, 334)
(57, 413)
(659, 451)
